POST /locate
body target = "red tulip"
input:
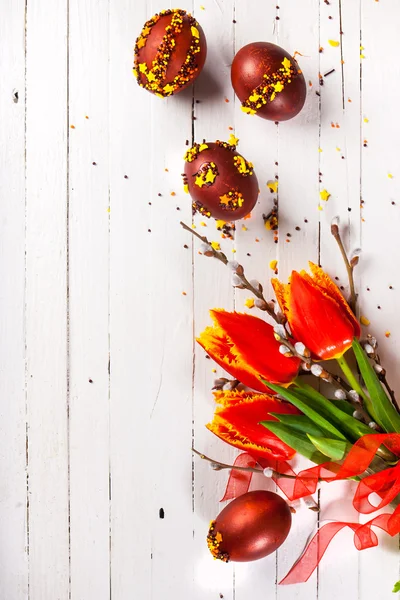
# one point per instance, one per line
(317, 313)
(246, 348)
(237, 422)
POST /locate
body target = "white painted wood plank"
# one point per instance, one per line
(13, 494)
(170, 397)
(214, 115)
(255, 246)
(340, 176)
(133, 466)
(380, 228)
(298, 168)
(46, 299)
(89, 298)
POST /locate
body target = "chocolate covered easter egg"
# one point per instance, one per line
(268, 82)
(221, 182)
(250, 527)
(169, 53)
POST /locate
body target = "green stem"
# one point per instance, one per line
(344, 365)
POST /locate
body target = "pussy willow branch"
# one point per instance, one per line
(349, 266)
(329, 378)
(240, 273)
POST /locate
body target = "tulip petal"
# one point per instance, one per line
(216, 344)
(237, 420)
(254, 345)
(318, 320)
(324, 282)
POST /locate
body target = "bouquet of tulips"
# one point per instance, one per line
(270, 410)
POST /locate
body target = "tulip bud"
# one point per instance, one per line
(355, 257)
(340, 394)
(354, 396)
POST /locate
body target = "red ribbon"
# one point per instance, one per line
(385, 483)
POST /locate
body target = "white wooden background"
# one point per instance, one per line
(102, 392)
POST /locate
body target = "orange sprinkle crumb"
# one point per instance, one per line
(387, 334)
(203, 224)
(247, 216)
(364, 321)
(230, 128)
(173, 194)
(226, 99)
(213, 370)
(72, 126)
(184, 294)
(349, 100)
(166, 170)
(257, 240)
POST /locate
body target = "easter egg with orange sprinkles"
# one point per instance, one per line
(222, 183)
(169, 53)
(268, 82)
(250, 527)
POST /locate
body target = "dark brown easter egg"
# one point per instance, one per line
(169, 53)
(268, 82)
(250, 527)
(221, 182)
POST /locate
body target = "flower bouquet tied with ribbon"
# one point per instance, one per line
(277, 405)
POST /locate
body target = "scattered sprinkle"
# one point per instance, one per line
(233, 250)
(364, 321)
(173, 194)
(215, 245)
(203, 224)
(319, 149)
(387, 334)
(366, 120)
(337, 148)
(108, 209)
(320, 207)
(333, 43)
(226, 99)
(86, 117)
(202, 7)
(166, 170)
(72, 126)
(233, 141)
(214, 370)
(390, 176)
(273, 186)
(184, 294)
(244, 228)
(249, 303)
(324, 195)
(273, 264)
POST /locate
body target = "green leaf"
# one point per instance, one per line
(299, 423)
(396, 587)
(344, 406)
(379, 406)
(294, 398)
(335, 449)
(296, 440)
(351, 427)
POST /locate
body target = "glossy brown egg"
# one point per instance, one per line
(169, 53)
(250, 527)
(268, 82)
(221, 182)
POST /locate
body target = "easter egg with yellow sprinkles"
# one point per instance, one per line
(268, 82)
(169, 53)
(221, 183)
